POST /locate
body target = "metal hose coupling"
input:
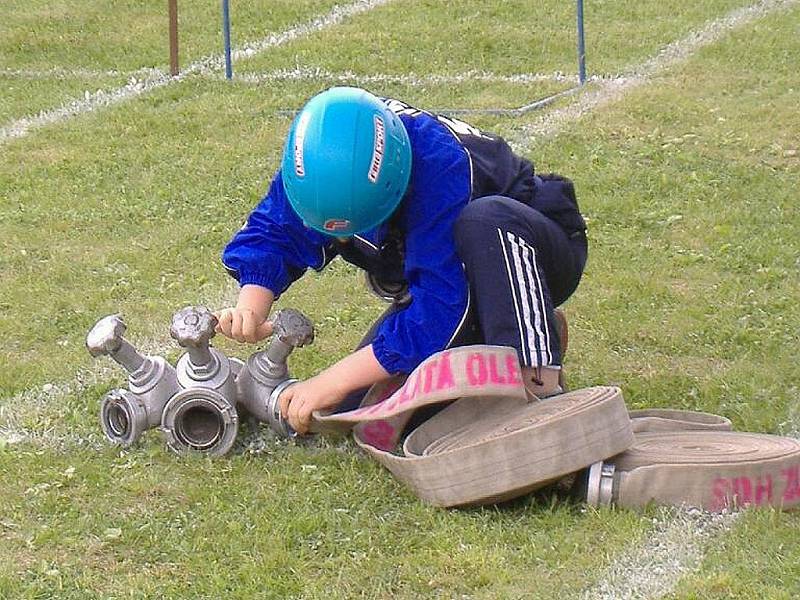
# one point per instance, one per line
(600, 484)
(266, 375)
(202, 416)
(200, 420)
(276, 421)
(126, 414)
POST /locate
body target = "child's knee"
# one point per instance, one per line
(485, 221)
(488, 209)
(480, 219)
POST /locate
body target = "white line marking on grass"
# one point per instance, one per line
(157, 79)
(411, 79)
(62, 73)
(652, 568)
(53, 439)
(336, 15)
(90, 102)
(606, 92)
(791, 426)
(42, 405)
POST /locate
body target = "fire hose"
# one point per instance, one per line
(489, 442)
(703, 466)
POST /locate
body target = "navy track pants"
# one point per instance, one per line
(520, 265)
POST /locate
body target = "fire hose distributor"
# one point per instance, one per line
(126, 414)
(202, 415)
(266, 374)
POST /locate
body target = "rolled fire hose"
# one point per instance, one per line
(704, 468)
(491, 443)
(670, 419)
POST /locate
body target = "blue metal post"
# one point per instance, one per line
(226, 34)
(581, 46)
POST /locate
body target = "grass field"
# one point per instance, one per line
(688, 180)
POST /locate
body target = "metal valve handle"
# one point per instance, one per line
(292, 327)
(106, 339)
(193, 327)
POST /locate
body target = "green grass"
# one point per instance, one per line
(512, 36)
(126, 35)
(27, 96)
(760, 558)
(688, 300)
(321, 524)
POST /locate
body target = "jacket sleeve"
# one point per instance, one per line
(435, 274)
(274, 248)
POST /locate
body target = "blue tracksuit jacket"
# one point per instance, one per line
(452, 164)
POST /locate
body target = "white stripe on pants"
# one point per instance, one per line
(528, 296)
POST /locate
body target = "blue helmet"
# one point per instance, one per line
(346, 163)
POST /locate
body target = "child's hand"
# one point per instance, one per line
(356, 371)
(301, 399)
(243, 325)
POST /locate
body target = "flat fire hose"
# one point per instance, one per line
(491, 442)
(699, 463)
(671, 419)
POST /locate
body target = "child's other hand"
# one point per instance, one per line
(300, 400)
(243, 325)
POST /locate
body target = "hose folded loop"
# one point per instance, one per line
(490, 443)
(670, 419)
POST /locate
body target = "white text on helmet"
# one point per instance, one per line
(379, 148)
(299, 138)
